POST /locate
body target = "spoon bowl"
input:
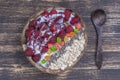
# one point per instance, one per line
(98, 17)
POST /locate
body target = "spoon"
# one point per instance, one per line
(98, 18)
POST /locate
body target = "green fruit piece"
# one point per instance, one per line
(59, 40)
(76, 30)
(43, 61)
(53, 48)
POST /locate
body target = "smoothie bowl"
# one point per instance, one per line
(54, 39)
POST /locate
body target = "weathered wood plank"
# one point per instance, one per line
(14, 65)
(87, 61)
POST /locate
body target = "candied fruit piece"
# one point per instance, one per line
(68, 35)
(43, 61)
(78, 26)
(72, 34)
(62, 43)
(53, 48)
(47, 57)
(65, 38)
(76, 30)
(49, 45)
(49, 51)
(59, 40)
(57, 46)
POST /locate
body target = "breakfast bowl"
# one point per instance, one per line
(54, 39)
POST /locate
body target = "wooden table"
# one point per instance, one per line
(13, 17)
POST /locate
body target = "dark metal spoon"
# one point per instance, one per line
(98, 18)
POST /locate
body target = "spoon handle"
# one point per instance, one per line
(98, 55)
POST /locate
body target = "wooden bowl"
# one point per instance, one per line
(23, 40)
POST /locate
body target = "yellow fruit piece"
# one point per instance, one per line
(47, 57)
(78, 26)
(49, 51)
(72, 34)
(65, 38)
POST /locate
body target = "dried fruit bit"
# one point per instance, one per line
(49, 51)
(59, 40)
(53, 11)
(47, 57)
(45, 13)
(72, 34)
(65, 38)
(78, 26)
(76, 30)
(33, 24)
(75, 20)
(57, 46)
(49, 45)
(67, 14)
(62, 43)
(29, 52)
(53, 48)
(68, 35)
(69, 29)
(43, 61)
(36, 58)
(44, 49)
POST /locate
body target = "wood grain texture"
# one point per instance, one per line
(13, 17)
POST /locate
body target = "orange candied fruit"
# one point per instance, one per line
(72, 34)
(49, 45)
(57, 46)
(62, 43)
(47, 57)
(78, 26)
(68, 35)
